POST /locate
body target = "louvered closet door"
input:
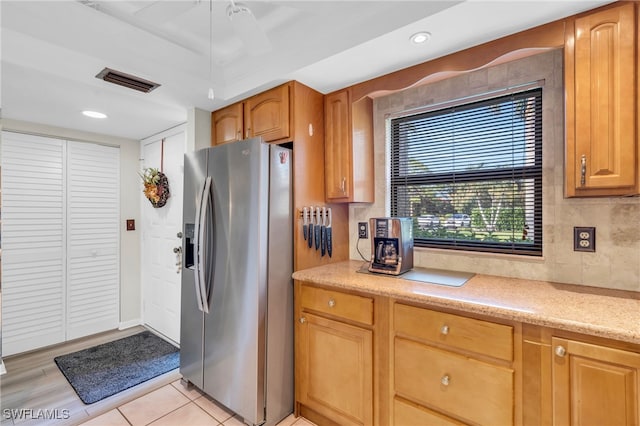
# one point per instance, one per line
(33, 242)
(93, 272)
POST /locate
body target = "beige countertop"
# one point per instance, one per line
(612, 314)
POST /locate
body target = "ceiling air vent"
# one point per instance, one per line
(127, 80)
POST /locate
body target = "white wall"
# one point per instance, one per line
(198, 129)
(130, 193)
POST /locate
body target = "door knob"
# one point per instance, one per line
(179, 235)
(445, 380)
(177, 249)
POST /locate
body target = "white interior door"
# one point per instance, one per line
(93, 238)
(161, 275)
(33, 242)
(61, 270)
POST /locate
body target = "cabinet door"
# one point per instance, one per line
(601, 137)
(337, 146)
(594, 385)
(227, 124)
(267, 115)
(336, 369)
(349, 176)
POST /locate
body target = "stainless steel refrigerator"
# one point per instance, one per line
(236, 332)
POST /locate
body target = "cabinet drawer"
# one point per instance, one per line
(482, 337)
(405, 413)
(474, 390)
(348, 306)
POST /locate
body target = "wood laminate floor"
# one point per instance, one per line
(35, 392)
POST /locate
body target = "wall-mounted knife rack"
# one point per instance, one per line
(316, 228)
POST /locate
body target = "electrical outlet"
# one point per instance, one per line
(584, 239)
(363, 230)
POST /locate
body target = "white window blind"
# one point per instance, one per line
(470, 175)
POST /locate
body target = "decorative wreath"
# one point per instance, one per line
(156, 187)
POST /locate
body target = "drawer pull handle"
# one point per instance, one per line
(302, 320)
(445, 380)
(560, 351)
(331, 303)
(444, 330)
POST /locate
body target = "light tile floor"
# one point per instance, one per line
(175, 404)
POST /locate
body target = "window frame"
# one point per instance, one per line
(514, 173)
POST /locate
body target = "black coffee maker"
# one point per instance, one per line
(391, 245)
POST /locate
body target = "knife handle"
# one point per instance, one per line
(329, 242)
(310, 240)
(305, 223)
(317, 227)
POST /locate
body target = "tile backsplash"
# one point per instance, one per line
(616, 262)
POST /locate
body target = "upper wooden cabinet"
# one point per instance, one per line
(601, 68)
(266, 114)
(594, 384)
(348, 148)
(227, 124)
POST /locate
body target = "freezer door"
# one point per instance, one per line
(234, 353)
(191, 318)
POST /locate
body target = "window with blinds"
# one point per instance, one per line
(470, 175)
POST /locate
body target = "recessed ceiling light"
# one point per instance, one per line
(421, 37)
(94, 114)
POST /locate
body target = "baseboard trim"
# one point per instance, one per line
(128, 324)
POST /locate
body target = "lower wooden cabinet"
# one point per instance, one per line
(472, 390)
(334, 355)
(374, 360)
(594, 384)
(451, 367)
(336, 361)
(408, 413)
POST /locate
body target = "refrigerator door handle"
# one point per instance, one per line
(198, 236)
(208, 262)
(196, 246)
(204, 243)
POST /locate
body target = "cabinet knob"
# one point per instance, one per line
(445, 380)
(444, 330)
(331, 302)
(560, 350)
(302, 320)
(583, 170)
